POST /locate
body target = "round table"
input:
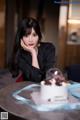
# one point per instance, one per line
(9, 104)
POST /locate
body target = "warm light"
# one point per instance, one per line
(63, 16)
(71, 21)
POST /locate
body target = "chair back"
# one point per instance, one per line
(73, 72)
(20, 78)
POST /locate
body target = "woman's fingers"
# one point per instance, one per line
(23, 45)
(27, 47)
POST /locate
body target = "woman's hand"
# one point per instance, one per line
(33, 52)
(28, 48)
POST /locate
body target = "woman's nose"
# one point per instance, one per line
(30, 38)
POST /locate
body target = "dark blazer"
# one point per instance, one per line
(46, 59)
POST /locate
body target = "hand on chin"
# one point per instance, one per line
(26, 47)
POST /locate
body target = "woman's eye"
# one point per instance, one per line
(27, 35)
(34, 35)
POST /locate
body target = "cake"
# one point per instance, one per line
(54, 87)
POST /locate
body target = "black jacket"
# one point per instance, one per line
(46, 59)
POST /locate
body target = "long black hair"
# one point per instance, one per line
(24, 29)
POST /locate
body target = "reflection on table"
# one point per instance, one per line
(8, 103)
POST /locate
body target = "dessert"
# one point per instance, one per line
(54, 88)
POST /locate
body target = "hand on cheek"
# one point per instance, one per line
(23, 45)
(27, 47)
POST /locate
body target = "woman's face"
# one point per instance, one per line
(31, 39)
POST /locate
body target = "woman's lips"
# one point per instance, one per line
(31, 44)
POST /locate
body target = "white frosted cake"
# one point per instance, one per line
(54, 89)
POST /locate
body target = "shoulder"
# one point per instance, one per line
(47, 45)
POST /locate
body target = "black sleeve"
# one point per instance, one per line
(49, 56)
(31, 73)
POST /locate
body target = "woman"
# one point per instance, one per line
(32, 56)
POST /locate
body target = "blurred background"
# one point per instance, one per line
(58, 19)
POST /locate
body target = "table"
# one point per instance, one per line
(8, 104)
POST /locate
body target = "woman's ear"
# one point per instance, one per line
(38, 44)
